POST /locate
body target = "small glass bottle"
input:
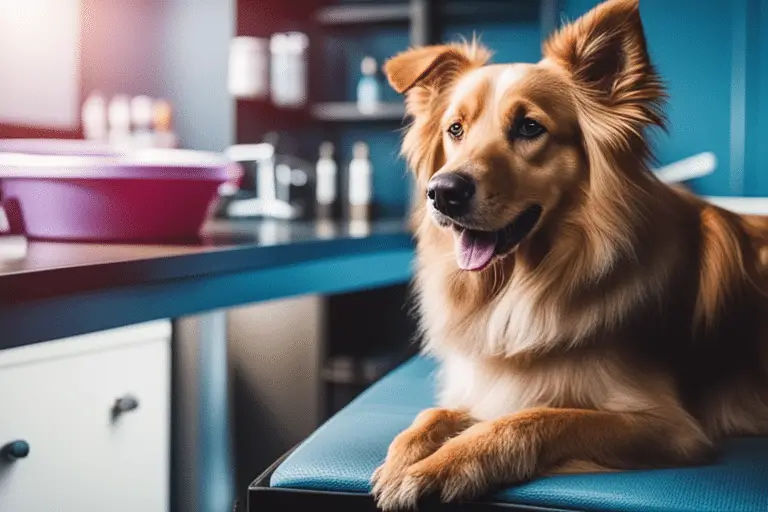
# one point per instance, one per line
(368, 88)
(360, 183)
(325, 190)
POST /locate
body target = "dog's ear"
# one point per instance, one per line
(606, 54)
(429, 68)
(424, 65)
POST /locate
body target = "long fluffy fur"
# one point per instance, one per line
(627, 331)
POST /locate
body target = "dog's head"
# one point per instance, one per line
(502, 151)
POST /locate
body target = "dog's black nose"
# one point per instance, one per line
(451, 193)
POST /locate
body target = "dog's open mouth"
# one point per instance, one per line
(476, 249)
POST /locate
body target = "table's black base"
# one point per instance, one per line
(263, 498)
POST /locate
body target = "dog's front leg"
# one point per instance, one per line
(425, 436)
(518, 447)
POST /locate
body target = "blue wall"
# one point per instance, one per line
(709, 53)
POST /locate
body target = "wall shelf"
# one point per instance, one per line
(488, 10)
(363, 14)
(348, 112)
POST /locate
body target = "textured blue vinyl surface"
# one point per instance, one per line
(342, 454)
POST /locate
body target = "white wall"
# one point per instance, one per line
(39, 68)
(195, 52)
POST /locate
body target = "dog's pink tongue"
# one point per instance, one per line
(475, 249)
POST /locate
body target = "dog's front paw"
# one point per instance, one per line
(386, 481)
(464, 468)
(449, 479)
(452, 473)
(427, 434)
(388, 490)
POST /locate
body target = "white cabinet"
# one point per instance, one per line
(84, 455)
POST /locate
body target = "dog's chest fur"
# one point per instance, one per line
(487, 361)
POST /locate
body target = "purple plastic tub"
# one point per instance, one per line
(79, 191)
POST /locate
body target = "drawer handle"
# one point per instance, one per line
(124, 404)
(18, 449)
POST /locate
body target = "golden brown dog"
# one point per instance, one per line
(586, 316)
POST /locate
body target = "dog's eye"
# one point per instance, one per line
(456, 130)
(528, 129)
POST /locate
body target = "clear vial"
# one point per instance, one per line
(368, 88)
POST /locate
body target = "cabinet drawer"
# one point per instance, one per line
(83, 453)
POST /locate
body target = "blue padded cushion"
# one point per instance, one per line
(342, 454)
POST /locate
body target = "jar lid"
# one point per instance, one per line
(248, 43)
(289, 42)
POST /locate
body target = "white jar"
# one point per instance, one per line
(288, 69)
(247, 77)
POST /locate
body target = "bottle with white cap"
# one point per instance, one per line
(360, 183)
(325, 188)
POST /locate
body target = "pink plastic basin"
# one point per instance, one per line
(78, 191)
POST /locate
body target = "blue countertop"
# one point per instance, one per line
(52, 290)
